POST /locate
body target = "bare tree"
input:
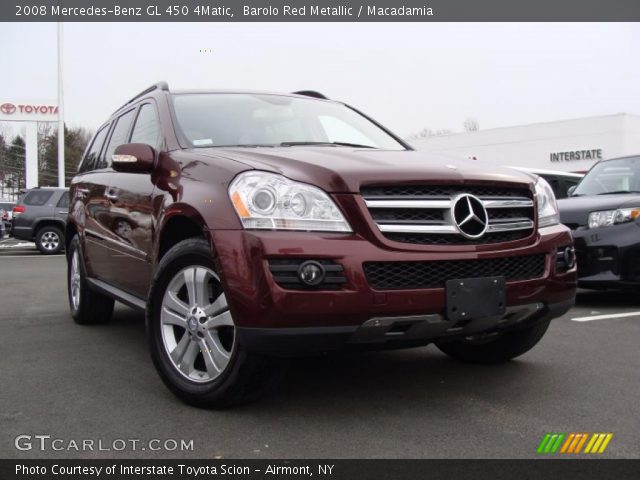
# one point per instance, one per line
(427, 132)
(471, 125)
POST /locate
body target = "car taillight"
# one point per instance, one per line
(18, 209)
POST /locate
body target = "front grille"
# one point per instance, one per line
(422, 214)
(411, 275)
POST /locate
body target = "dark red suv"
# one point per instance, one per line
(252, 225)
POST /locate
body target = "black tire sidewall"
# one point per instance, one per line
(509, 345)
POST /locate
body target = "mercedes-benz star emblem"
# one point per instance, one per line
(469, 216)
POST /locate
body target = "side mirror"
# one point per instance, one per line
(571, 189)
(133, 158)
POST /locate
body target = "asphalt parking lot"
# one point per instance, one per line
(75, 382)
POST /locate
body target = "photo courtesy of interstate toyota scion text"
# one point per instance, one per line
(253, 226)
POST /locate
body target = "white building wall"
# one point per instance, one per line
(533, 145)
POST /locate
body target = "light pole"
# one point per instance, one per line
(60, 112)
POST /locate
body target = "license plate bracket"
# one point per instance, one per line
(469, 298)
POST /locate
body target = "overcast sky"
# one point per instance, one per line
(407, 76)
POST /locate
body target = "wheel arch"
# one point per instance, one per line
(48, 222)
(178, 224)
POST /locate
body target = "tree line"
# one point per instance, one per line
(12, 157)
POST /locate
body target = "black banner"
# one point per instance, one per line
(584, 469)
(319, 11)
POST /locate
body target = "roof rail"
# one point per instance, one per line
(310, 93)
(156, 86)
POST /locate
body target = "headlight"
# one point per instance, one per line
(605, 218)
(547, 207)
(272, 202)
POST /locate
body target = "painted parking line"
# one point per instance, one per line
(605, 317)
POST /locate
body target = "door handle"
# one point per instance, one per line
(81, 192)
(111, 193)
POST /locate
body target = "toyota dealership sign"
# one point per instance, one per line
(31, 111)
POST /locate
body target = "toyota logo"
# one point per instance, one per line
(469, 216)
(7, 108)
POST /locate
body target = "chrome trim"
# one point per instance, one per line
(444, 204)
(509, 226)
(511, 203)
(417, 228)
(440, 204)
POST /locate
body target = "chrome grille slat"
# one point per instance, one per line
(397, 228)
(442, 204)
(510, 226)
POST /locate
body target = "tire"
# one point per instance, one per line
(87, 306)
(502, 348)
(49, 240)
(192, 337)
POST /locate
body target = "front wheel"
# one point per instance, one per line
(192, 333)
(496, 348)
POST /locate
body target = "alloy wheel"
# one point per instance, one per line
(74, 280)
(197, 328)
(50, 240)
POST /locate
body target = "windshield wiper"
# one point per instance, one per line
(615, 192)
(330, 144)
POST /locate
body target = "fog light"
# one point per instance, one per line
(569, 258)
(311, 273)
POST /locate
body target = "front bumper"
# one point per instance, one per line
(608, 257)
(262, 308)
(390, 332)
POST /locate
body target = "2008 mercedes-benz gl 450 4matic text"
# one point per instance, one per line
(251, 226)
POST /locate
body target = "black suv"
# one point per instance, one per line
(40, 216)
(603, 212)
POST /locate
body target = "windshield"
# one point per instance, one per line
(238, 119)
(612, 176)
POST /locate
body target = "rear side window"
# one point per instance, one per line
(64, 200)
(119, 135)
(146, 130)
(37, 197)
(91, 159)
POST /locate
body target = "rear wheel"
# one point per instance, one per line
(495, 348)
(192, 333)
(49, 240)
(87, 306)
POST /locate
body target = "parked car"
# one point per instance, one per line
(267, 225)
(3, 229)
(604, 214)
(40, 216)
(560, 182)
(6, 214)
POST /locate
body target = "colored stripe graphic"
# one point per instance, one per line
(581, 442)
(598, 443)
(551, 443)
(572, 443)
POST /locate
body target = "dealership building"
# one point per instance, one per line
(568, 145)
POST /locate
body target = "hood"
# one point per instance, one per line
(346, 170)
(574, 211)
